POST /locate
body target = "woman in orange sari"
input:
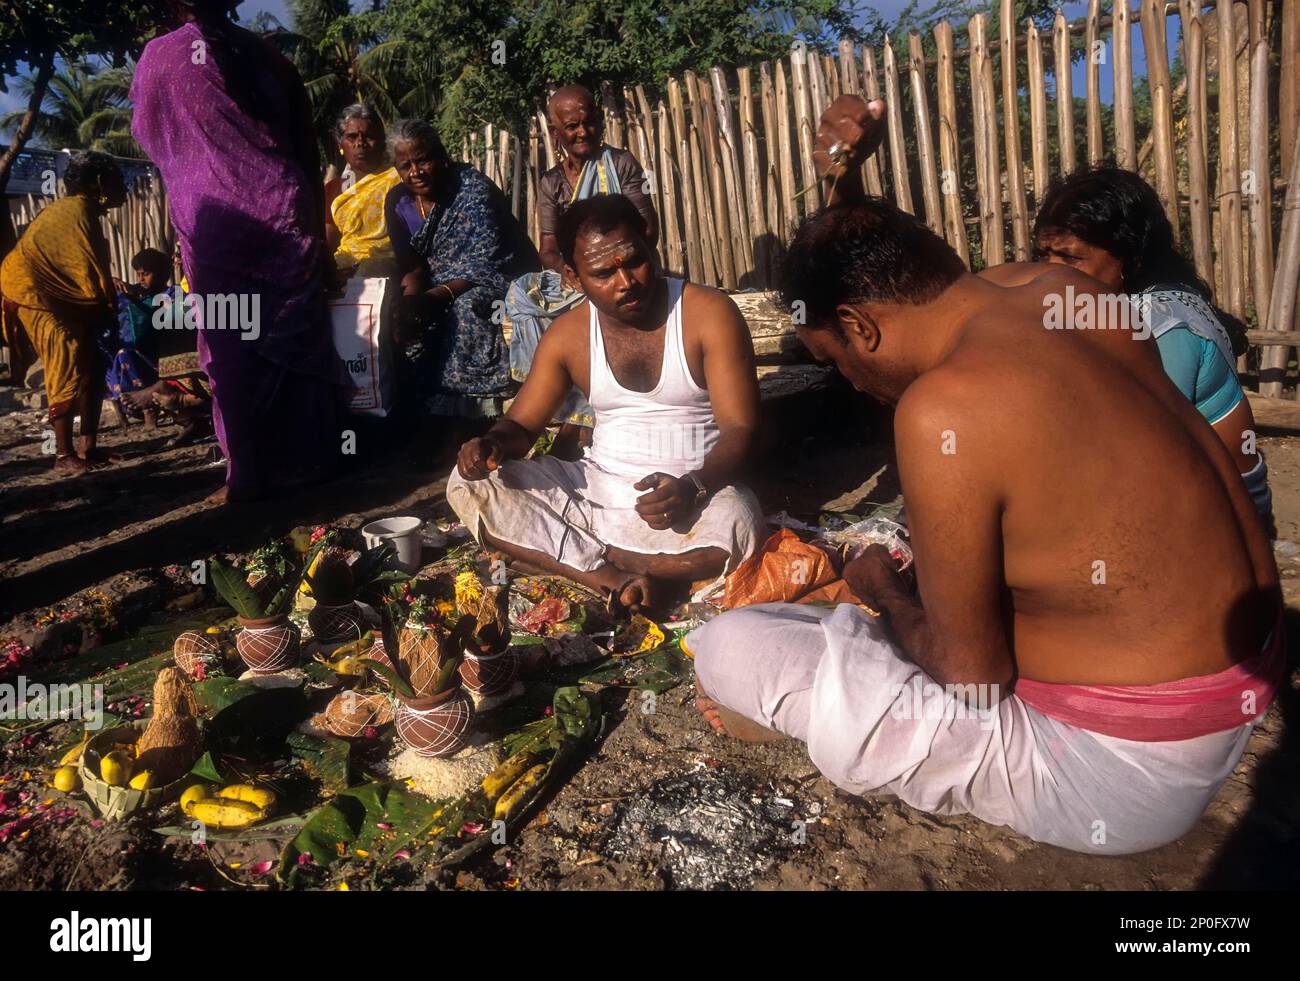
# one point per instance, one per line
(58, 284)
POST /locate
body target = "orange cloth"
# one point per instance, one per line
(58, 275)
(786, 570)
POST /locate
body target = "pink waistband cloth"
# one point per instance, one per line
(1169, 711)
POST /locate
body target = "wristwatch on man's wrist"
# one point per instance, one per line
(701, 492)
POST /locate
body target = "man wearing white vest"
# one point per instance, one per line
(668, 367)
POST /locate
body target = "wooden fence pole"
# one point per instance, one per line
(849, 84)
(924, 140)
(806, 124)
(1198, 194)
(1162, 123)
(1122, 68)
(729, 144)
(753, 182)
(1011, 132)
(949, 145)
(1229, 178)
(897, 146)
(1286, 277)
(700, 264)
(786, 142)
(676, 259)
(1259, 194)
(1064, 94)
(1288, 106)
(1093, 51)
(772, 156)
(1037, 111)
(877, 167)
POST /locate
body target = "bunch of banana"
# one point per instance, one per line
(236, 806)
(496, 782)
(518, 794)
(73, 756)
(350, 659)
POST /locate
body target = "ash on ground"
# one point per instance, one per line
(711, 829)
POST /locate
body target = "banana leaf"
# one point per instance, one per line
(351, 820)
(325, 757)
(232, 585)
(398, 683)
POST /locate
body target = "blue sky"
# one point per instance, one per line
(889, 8)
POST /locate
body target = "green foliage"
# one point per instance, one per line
(231, 583)
(84, 107)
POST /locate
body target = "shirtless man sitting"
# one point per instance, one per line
(669, 368)
(1094, 626)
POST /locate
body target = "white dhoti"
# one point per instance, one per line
(572, 511)
(831, 679)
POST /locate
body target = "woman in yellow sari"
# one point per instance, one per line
(356, 227)
(58, 284)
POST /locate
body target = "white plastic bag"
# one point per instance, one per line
(357, 320)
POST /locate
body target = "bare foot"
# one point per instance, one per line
(725, 722)
(98, 459)
(70, 465)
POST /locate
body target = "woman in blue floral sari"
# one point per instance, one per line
(458, 248)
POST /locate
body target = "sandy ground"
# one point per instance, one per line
(663, 802)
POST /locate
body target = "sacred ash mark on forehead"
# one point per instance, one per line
(599, 251)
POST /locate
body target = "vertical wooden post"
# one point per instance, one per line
(1197, 184)
(1162, 123)
(949, 146)
(1122, 67)
(984, 105)
(1259, 194)
(1037, 110)
(729, 145)
(924, 139)
(1011, 132)
(753, 181)
(516, 178)
(771, 156)
(676, 259)
(849, 84)
(878, 164)
(816, 89)
(877, 167)
(1229, 178)
(1286, 278)
(897, 147)
(1064, 94)
(614, 130)
(544, 129)
(786, 144)
(806, 126)
(710, 157)
(1288, 90)
(700, 263)
(534, 174)
(1093, 78)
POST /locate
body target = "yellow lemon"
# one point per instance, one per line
(66, 779)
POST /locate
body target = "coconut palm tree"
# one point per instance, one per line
(86, 107)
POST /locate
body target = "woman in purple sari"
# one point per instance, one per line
(226, 120)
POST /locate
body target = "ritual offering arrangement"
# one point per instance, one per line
(262, 597)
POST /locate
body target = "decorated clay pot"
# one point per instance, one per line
(195, 652)
(268, 645)
(350, 714)
(489, 674)
(379, 653)
(435, 726)
(336, 624)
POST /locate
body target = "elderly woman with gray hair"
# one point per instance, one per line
(355, 226)
(458, 248)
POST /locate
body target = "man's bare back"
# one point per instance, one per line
(1130, 550)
